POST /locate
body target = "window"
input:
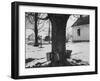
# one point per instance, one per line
(78, 32)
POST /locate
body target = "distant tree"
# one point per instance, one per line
(36, 19)
(36, 29)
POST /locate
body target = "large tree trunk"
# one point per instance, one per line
(59, 39)
(36, 30)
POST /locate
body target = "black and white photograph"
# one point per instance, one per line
(51, 40)
(56, 40)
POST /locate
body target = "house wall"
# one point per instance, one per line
(84, 33)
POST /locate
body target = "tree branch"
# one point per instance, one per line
(46, 18)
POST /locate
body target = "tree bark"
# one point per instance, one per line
(58, 39)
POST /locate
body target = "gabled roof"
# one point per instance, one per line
(81, 21)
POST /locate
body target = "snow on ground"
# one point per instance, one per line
(80, 50)
(37, 52)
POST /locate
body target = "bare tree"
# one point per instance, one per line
(36, 19)
(36, 29)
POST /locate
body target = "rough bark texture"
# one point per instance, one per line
(58, 39)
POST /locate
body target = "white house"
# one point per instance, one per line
(80, 30)
(80, 33)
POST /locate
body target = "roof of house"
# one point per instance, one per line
(81, 21)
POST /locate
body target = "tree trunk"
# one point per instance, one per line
(49, 32)
(59, 39)
(36, 30)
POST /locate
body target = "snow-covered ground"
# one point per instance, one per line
(80, 50)
(37, 52)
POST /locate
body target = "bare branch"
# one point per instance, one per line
(46, 18)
